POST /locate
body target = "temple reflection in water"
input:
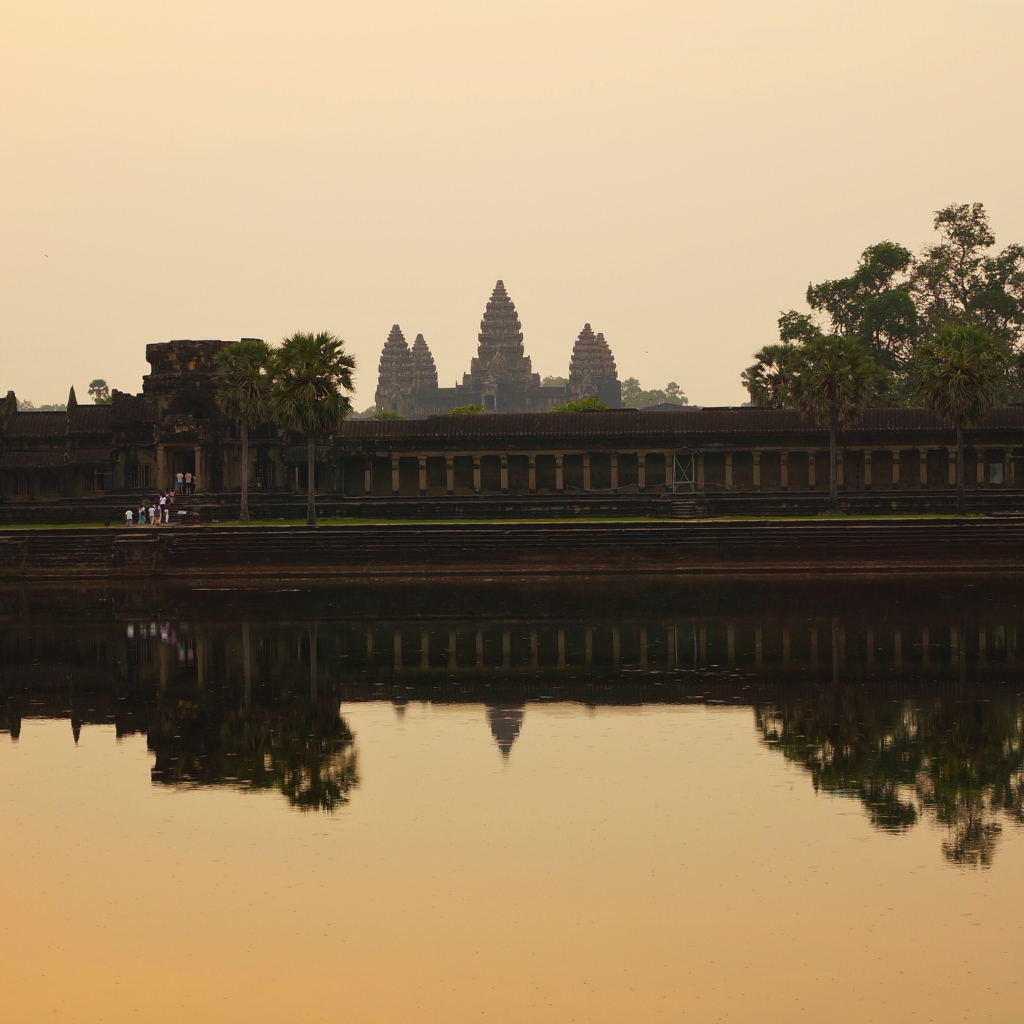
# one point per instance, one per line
(905, 699)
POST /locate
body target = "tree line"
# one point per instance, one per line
(303, 386)
(940, 330)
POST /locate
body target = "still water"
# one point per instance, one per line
(505, 802)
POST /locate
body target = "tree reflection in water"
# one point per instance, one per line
(956, 758)
(304, 751)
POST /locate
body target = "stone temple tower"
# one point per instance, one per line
(592, 370)
(424, 371)
(500, 359)
(396, 374)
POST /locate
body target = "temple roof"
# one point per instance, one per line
(423, 368)
(500, 354)
(38, 424)
(395, 372)
(591, 362)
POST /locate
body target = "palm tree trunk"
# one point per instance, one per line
(310, 478)
(833, 483)
(243, 511)
(961, 501)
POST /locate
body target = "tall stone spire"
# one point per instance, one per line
(423, 369)
(395, 375)
(500, 355)
(592, 369)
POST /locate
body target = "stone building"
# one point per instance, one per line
(500, 377)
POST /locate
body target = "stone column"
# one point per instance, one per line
(730, 645)
(951, 458)
(812, 470)
(671, 640)
(199, 477)
(586, 472)
(757, 471)
(923, 452)
(368, 475)
(1007, 467)
(867, 470)
(643, 648)
(616, 646)
(504, 473)
(533, 474)
(588, 646)
(423, 476)
(453, 661)
(476, 474)
(641, 470)
(981, 466)
(506, 649)
(728, 471)
(700, 472)
(895, 468)
(702, 643)
(534, 650)
(559, 479)
(424, 649)
(615, 471)
(450, 470)
(479, 648)
(369, 650)
(394, 474)
(784, 470)
(561, 648)
(398, 650)
(840, 475)
(161, 469)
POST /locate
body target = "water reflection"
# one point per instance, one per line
(906, 699)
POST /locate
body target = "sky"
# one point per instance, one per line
(674, 173)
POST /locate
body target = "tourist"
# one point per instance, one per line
(188, 483)
(142, 513)
(128, 516)
(152, 514)
(179, 482)
(162, 507)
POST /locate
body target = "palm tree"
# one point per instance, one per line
(243, 382)
(769, 379)
(834, 378)
(961, 374)
(312, 371)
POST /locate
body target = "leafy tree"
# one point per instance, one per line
(958, 281)
(768, 381)
(635, 397)
(961, 375)
(312, 372)
(467, 410)
(243, 385)
(387, 416)
(99, 392)
(834, 378)
(554, 382)
(591, 404)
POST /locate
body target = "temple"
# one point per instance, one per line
(500, 377)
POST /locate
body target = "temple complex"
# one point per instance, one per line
(500, 377)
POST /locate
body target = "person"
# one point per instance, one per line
(152, 515)
(128, 516)
(188, 483)
(162, 505)
(179, 482)
(142, 513)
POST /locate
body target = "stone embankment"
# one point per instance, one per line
(421, 550)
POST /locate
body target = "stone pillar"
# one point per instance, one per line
(615, 472)
(161, 469)
(923, 452)
(643, 648)
(867, 470)
(559, 479)
(369, 650)
(450, 470)
(534, 650)
(506, 649)
(730, 645)
(812, 470)
(951, 454)
(398, 650)
(700, 472)
(895, 468)
(728, 471)
(394, 474)
(199, 477)
(561, 648)
(641, 470)
(423, 476)
(784, 470)
(702, 643)
(840, 475)
(588, 647)
(981, 467)
(586, 472)
(479, 648)
(476, 474)
(424, 650)
(616, 646)
(671, 640)
(1007, 467)
(533, 474)
(453, 661)
(368, 475)
(504, 473)
(757, 471)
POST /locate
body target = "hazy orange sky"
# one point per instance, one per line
(673, 173)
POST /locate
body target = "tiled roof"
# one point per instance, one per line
(89, 419)
(89, 456)
(38, 424)
(39, 459)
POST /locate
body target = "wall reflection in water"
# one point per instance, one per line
(907, 699)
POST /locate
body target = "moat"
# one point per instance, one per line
(508, 799)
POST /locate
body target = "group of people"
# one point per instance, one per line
(152, 513)
(185, 483)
